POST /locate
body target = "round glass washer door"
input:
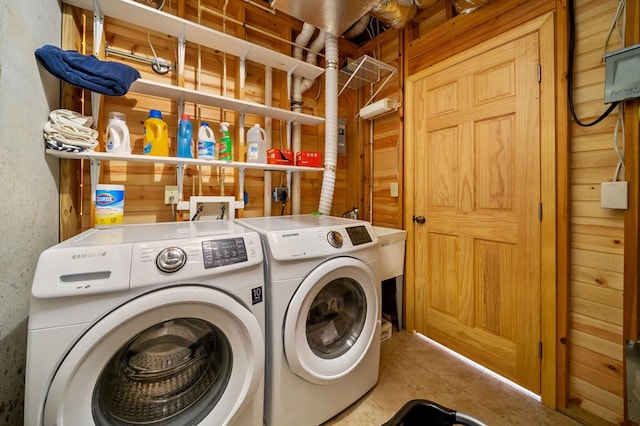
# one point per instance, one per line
(331, 320)
(176, 356)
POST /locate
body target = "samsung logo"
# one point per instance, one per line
(293, 234)
(88, 255)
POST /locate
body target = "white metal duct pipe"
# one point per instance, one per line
(296, 105)
(305, 84)
(331, 124)
(315, 47)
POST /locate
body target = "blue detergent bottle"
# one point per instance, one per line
(185, 137)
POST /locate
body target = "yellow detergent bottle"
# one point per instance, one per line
(156, 135)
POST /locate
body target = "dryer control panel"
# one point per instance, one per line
(319, 242)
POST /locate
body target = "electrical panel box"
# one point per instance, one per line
(622, 74)
(342, 136)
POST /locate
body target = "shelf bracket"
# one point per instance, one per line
(180, 178)
(94, 167)
(353, 74)
(98, 26)
(182, 49)
(391, 74)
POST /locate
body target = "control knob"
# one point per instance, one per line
(171, 259)
(335, 239)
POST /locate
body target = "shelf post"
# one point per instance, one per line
(180, 178)
(243, 72)
(98, 26)
(241, 171)
(94, 167)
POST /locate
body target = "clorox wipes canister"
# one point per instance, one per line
(109, 205)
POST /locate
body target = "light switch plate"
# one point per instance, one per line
(394, 189)
(614, 195)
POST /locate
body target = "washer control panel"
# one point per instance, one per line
(183, 260)
(217, 253)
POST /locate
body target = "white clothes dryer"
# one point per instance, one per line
(155, 324)
(323, 298)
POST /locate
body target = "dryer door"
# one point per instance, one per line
(331, 321)
(176, 356)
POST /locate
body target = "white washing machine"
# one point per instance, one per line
(323, 298)
(156, 324)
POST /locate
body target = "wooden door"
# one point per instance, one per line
(476, 130)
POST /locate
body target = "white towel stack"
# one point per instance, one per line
(69, 131)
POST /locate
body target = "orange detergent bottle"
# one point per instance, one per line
(156, 135)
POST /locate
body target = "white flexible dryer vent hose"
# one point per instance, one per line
(331, 124)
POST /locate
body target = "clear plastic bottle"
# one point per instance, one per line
(206, 142)
(118, 140)
(156, 135)
(185, 137)
(225, 149)
(257, 145)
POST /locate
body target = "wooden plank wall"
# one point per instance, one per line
(383, 141)
(597, 235)
(204, 70)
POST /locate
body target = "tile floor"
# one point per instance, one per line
(413, 368)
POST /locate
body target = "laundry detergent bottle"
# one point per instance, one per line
(257, 145)
(118, 141)
(206, 142)
(156, 135)
(185, 137)
(225, 150)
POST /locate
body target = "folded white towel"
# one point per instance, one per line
(66, 116)
(67, 128)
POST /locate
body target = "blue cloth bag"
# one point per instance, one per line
(87, 72)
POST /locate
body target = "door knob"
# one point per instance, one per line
(419, 219)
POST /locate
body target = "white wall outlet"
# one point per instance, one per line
(614, 195)
(394, 189)
(169, 192)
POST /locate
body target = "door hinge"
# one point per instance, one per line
(539, 73)
(540, 350)
(540, 212)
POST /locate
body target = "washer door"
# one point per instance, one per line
(331, 320)
(177, 356)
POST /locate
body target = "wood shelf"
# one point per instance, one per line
(144, 16)
(153, 88)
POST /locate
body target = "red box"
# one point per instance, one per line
(280, 156)
(309, 159)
